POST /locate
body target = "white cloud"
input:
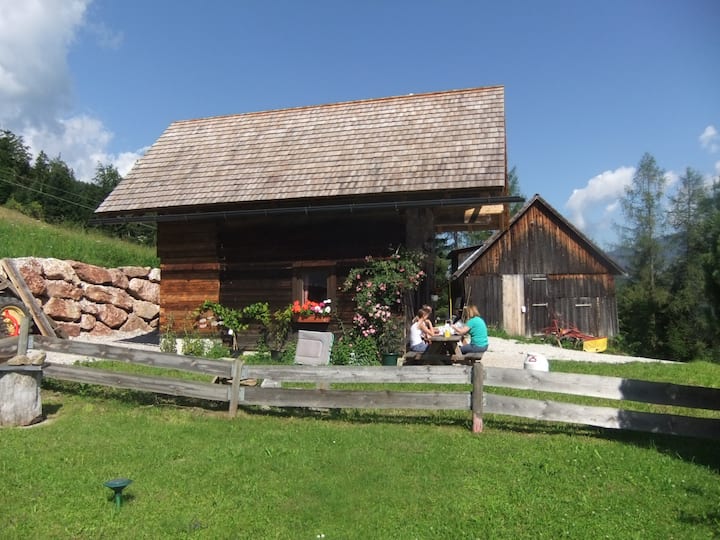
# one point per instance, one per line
(36, 86)
(106, 37)
(672, 178)
(603, 190)
(710, 139)
(35, 36)
(81, 143)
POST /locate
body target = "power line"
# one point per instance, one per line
(61, 199)
(46, 194)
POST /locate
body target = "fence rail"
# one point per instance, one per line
(474, 398)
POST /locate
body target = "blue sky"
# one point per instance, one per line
(589, 85)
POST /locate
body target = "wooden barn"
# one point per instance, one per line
(276, 206)
(539, 268)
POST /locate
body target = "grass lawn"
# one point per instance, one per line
(23, 236)
(353, 474)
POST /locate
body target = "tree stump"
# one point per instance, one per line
(20, 403)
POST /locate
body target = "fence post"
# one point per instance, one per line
(22, 345)
(235, 388)
(477, 397)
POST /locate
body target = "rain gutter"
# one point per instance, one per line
(308, 209)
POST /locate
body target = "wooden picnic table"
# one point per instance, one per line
(441, 350)
(445, 345)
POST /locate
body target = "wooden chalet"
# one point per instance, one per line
(276, 206)
(539, 268)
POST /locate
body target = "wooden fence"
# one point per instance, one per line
(474, 399)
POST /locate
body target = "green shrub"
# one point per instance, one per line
(218, 350)
(354, 351)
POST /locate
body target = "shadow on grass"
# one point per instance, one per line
(367, 416)
(132, 397)
(692, 450)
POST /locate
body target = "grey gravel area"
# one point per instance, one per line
(122, 340)
(506, 353)
(509, 353)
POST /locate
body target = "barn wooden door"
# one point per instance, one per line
(537, 303)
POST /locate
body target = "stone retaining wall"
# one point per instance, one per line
(86, 299)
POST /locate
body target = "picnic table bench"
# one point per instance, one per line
(443, 350)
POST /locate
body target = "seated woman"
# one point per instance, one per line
(428, 324)
(418, 332)
(476, 327)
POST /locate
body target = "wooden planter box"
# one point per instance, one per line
(311, 319)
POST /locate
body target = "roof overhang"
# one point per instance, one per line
(451, 214)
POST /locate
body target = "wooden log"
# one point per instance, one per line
(220, 368)
(605, 417)
(41, 320)
(337, 399)
(235, 387)
(8, 346)
(605, 387)
(144, 383)
(23, 337)
(477, 397)
(360, 374)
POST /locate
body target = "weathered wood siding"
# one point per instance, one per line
(585, 301)
(588, 302)
(241, 261)
(486, 293)
(190, 270)
(542, 269)
(513, 305)
(538, 244)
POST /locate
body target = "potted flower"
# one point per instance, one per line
(391, 341)
(311, 312)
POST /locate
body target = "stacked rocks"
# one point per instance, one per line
(86, 299)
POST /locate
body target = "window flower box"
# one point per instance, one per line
(311, 319)
(311, 312)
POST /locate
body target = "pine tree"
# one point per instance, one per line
(687, 322)
(710, 233)
(14, 164)
(643, 298)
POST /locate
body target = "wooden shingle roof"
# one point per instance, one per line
(438, 142)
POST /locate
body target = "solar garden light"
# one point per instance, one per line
(117, 485)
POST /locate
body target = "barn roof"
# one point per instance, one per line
(538, 201)
(423, 144)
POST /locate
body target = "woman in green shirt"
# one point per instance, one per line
(476, 327)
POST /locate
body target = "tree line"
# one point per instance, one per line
(47, 189)
(669, 304)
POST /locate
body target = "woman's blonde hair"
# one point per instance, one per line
(469, 312)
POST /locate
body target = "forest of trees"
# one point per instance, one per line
(668, 304)
(47, 189)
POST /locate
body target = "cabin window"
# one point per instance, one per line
(313, 283)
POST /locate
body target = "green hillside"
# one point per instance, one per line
(23, 236)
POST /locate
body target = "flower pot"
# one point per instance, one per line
(390, 359)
